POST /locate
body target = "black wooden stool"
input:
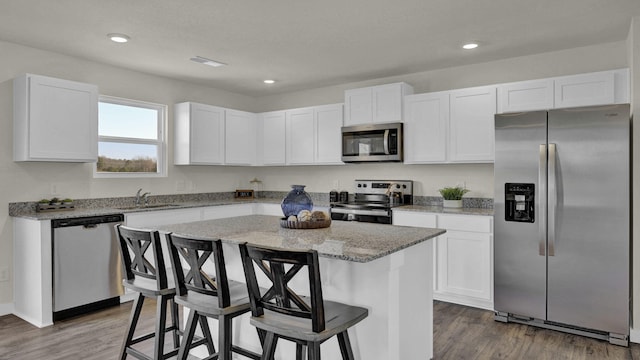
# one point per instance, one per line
(206, 295)
(148, 277)
(282, 313)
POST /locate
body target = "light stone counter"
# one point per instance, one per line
(352, 241)
(387, 269)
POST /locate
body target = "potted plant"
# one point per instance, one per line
(452, 196)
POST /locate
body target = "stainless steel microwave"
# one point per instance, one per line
(372, 142)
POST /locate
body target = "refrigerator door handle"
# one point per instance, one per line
(541, 200)
(553, 199)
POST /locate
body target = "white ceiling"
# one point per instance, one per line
(307, 44)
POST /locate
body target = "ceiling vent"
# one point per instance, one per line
(205, 61)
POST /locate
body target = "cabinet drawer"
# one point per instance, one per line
(227, 211)
(411, 218)
(466, 223)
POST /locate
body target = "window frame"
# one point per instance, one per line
(160, 141)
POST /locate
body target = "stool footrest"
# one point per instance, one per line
(152, 334)
(245, 352)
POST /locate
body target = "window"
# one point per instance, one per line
(131, 138)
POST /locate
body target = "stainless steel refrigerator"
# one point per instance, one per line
(562, 220)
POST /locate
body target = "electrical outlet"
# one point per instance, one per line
(54, 189)
(4, 273)
(336, 184)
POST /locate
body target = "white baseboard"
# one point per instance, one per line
(464, 300)
(6, 309)
(634, 335)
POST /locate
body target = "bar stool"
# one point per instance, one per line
(148, 277)
(282, 313)
(207, 296)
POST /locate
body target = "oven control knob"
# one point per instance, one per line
(397, 186)
(404, 186)
(364, 185)
(359, 185)
(351, 217)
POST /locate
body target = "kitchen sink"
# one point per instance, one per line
(153, 206)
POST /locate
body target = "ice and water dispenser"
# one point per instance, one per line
(519, 202)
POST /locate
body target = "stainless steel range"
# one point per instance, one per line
(373, 201)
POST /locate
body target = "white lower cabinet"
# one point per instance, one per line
(227, 211)
(151, 219)
(463, 256)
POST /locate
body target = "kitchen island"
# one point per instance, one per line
(387, 269)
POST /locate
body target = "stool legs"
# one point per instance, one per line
(161, 323)
(133, 321)
(345, 346)
(158, 334)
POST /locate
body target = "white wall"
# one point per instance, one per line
(566, 62)
(32, 181)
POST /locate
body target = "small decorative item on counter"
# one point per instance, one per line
(295, 201)
(54, 204)
(304, 215)
(452, 196)
(307, 220)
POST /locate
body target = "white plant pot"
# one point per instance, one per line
(452, 203)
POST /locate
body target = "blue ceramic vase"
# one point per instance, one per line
(295, 201)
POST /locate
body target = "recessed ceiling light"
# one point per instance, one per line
(119, 38)
(269, 81)
(205, 61)
(469, 46)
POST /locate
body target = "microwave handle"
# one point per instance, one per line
(386, 142)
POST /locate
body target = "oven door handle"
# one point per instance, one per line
(359, 212)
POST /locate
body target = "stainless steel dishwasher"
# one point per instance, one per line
(86, 264)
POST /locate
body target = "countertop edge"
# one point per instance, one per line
(82, 212)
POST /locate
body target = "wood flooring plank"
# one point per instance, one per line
(460, 333)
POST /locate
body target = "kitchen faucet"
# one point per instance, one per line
(141, 198)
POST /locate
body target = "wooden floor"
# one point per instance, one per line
(467, 333)
(459, 333)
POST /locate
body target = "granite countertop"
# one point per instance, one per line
(125, 209)
(345, 240)
(108, 206)
(444, 210)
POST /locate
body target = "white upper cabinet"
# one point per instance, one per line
(525, 96)
(328, 121)
(300, 136)
(584, 90)
(240, 137)
(600, 88)
(305, 136)
(358, 106)
(54, 120)
(199, 134)
(471, 124)
(272, 139)
(375, 104)
(425, 128)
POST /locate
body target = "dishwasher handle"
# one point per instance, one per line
(88, 221)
